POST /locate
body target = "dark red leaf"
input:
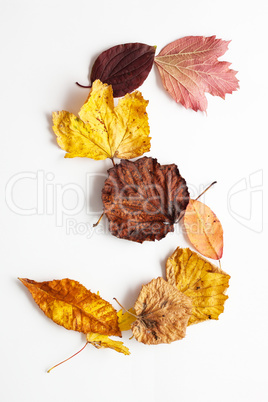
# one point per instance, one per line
(144, 199)
(125, 67)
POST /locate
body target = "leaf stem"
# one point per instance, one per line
(100, 218)
(129, 312)
(183, 212)
(112, 159)
(182, 215)
(83, 86)
(48, 371)
(206, 190)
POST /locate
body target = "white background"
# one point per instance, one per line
(46, 47)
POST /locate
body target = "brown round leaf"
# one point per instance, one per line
(143, 199)
(163, 313)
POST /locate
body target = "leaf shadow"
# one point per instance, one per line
(184, 233)
(31, 300)
(75, 99)
(163, 261)
(163, 265)
(158, 79)
(131, 296)
(26, 293)
(73, 103)
(95, 183)
(53, 138)
(91, 63)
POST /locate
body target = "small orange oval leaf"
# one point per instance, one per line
(204, 229)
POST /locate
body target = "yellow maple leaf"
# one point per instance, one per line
(103, 341)
(104, 130)
(200, 280)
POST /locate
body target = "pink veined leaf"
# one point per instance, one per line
(189, 67)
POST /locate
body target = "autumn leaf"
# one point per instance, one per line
(204, 229)
(103, 341)
(143, 199)
(163, 313)
(204, 283)
(125, 67)
(104, 130)
(125, 319)
(70, 304)
(189, 67)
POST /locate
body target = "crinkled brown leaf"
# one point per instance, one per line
(143, 199)
(163, 313)
(125, 66)
(70, 304)
(200, 280)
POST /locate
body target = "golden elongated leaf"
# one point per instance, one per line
(70, 304)
(204, 283)
(103, 341)
(163, 313)
(204, 229)
(125, 319)
(104, 131)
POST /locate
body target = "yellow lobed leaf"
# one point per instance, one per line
(104, 131)
(200, 280)
(70, 304)
(103, 341)
(204, 229)
(125, 319)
